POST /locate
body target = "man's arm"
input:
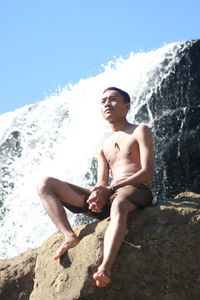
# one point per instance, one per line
(101, 192)
(146, 173)
(103, 168)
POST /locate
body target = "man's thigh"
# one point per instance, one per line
(84, 208)
(70, 193)
(138, 196)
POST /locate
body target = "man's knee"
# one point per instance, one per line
(44, 184)
(122, 207)
(119, 207)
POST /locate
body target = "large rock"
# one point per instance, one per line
(159, 259)
(17, 275)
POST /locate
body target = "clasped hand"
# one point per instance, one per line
(98, 197)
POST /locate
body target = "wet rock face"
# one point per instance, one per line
(11, 147)
(175, 107)
(9, 150)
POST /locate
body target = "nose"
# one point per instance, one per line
(106, 103)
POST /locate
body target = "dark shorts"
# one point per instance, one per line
(139, 195)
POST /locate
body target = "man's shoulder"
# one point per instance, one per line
(142, 127)
(143, 132)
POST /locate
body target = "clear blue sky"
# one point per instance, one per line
(49, 43)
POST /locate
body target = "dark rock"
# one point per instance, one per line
(175, 107)
(9, 150)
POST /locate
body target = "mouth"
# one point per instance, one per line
(107, 110)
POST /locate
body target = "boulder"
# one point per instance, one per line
(159, 260)
(17, 275)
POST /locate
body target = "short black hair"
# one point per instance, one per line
(125, 95)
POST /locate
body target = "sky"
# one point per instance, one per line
(47, 44)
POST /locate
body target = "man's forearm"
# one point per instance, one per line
(102, 183)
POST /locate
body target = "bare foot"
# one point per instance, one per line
(66, 245)
(102, 277)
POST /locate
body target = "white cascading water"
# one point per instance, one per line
(60, 135)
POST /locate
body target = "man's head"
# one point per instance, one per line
(115, 104)
(125, 95)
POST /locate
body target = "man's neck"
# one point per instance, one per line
(120, 125)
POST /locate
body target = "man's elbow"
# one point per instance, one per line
(149, 174)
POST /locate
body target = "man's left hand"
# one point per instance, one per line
(98, 198)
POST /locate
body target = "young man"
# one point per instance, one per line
(129, 154)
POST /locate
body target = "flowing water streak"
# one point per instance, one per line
(59, 136)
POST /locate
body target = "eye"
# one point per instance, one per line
(113, 99)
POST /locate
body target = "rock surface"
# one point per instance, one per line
(17, 275)
(159, 260)
(175, 109)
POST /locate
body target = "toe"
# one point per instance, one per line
(60, 252)
(101, 278)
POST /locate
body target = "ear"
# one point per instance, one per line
(128, 106)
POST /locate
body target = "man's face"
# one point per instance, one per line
(112, 106)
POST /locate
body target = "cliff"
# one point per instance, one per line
(159, 260)
(175, 109)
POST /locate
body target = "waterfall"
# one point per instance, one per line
(59, 136)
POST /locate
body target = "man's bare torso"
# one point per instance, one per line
(122, 153)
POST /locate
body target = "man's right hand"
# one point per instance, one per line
(92, 201)
(98, 198)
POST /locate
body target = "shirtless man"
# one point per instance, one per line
(129, 154)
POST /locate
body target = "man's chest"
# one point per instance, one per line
(120, 148)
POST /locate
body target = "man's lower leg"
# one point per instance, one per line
(57, 213)
(112, 241)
